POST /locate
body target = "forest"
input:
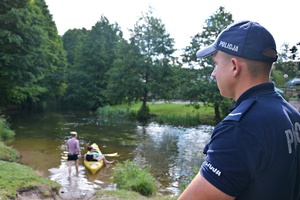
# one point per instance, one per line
(93, 68)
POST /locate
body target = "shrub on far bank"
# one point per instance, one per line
(6, 153)
(5, 131)
(129, 176)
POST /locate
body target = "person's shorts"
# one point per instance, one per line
(89, 157)
(72, 157)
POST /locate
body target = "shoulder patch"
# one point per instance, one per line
(239, 111)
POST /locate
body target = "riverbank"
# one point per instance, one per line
(175, 114)
(21, 182)
(22, 167)
(100, 193)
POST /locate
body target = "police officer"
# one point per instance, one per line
(253, 153)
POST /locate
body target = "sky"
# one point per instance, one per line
(182, 18)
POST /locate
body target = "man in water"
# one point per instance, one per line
(73, 151)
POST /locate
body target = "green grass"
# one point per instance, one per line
(16, 177)
(178, 109)
(8, 154)
(129, 176)
(170, 108)
(166, 113)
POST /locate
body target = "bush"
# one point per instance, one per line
(5, 131)
(129, 176)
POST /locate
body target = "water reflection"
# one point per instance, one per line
(74, 187)
(172, 152)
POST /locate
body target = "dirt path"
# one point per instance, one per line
(296, 104)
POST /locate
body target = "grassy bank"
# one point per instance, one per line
(7, 153)
(166, 113)
(17, 178)
(19, 181)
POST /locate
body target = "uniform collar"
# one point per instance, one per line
(255, 91)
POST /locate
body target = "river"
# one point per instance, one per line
(172, 152)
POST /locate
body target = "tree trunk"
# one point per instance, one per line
(143, 113)
(217, 112)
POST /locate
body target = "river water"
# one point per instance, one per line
(172, 152)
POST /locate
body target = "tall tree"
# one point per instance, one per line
(27, 54)
(21, 42)
(55, 63)
(88, 81)
(200, 87)
(73, 40)
(125, 84)
(154, 69)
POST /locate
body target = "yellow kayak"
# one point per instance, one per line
(94, 166)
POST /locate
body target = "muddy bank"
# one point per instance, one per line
(38, 194)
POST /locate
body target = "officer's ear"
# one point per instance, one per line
(235, 66)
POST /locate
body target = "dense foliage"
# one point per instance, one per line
(32, 59)
(143, 68)
(90, 54)
(99, 67)
(205, 89)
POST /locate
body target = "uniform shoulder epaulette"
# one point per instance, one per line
(239, 111)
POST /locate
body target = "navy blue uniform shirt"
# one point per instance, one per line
(254, 153)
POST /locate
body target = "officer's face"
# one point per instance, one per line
(223, 74)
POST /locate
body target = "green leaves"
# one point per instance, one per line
(31, 52)
(156, 48)
(98, 67)
(201, 87)
(91, 54)
(105, 69)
